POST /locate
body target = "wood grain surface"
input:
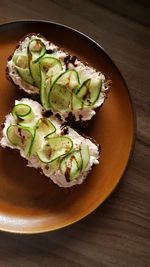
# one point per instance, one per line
(118, 232)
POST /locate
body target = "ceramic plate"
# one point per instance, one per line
(31, 203)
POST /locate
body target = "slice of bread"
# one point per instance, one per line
(66, 85)
(61, 153)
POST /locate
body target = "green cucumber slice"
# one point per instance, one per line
(55, 148)
(44, 129)
(85, 154)
(36, 50)
(21, 110)
(35, 73)
(76, 102)
(23, 115)
(37, 143)
(71, 165)
(50, 66)
(20, 137)
(52, 167)
(22, 67)
(70, 79)
(60, 98)
(20, 60)
(25, 75)
(44, 91)
(89, 91)
(50, 69)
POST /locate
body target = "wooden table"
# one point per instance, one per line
(118, 232)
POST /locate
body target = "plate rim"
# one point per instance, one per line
(133, 112)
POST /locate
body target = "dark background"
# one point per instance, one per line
(118, 232)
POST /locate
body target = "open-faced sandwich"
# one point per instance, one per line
(66, 85)
(60, 152)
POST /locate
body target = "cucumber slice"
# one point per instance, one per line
(44, 129)
(52, 167)
(76, 102)
(60, 98)
(44, 91)
(37, 143)
(35, 73)
(27, 122)
(89, 91)
(20, 137)
(22, 68)
(55, 148)
(21, 110)
(70, 79)
(50, 66)
(23, 115)
(85, 154)
(50, 69)
(20, 60)
(36, 50)
(25, 75)
(71, 165)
